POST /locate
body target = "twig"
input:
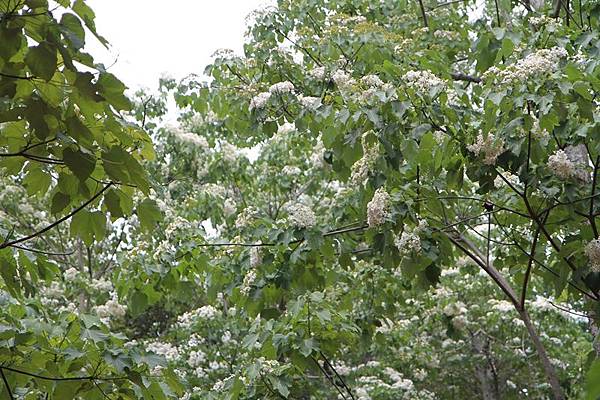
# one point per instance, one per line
(52, 225)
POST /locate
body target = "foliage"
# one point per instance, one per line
(317, 218)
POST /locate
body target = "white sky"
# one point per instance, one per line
(151, 37)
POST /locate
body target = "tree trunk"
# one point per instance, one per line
(549, 370)
(485, 373)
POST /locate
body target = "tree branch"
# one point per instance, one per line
(52, 225)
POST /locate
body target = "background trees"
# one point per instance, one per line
(377, 200)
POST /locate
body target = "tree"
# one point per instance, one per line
(323, 207)
(67, 153)
(453, 147)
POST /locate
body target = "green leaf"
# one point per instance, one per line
(88, 225)
(88, 16)
(59, 201)
(112, 90)
(138, 303)
(592, 386)
(42, 60)
(112, 202)
(81, 164)
(73, 30)
(8, 271)
(149, 214)
(37, 181)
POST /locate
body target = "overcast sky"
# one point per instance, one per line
(178, 37)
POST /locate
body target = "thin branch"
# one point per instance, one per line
(61, 220)
(530, 263)
(338, 375)
(10, 395)
(423, 14)
(27, 78)
(459, 76)
(47, 253)
(58, 379)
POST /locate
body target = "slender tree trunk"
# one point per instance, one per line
(485, 373)
(549, 369)
(594, 324)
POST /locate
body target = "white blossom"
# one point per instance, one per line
(71, 274)
(409, 240)
(540, 62)
(378, 209)
(489, 147)
(592, 251)
(260, 100)
(361, 168)
(229, 207)
(310, 102)
(255, 257)
(191, 138)
(248, 281)
(422, 82)
(342, 79)
(317, 73)
(281, 87)
(246, 217)
(301, 215)
(291, 170)
(511, 178)
(170, 352)
(561, 165)
(111, 309)
(372, 80)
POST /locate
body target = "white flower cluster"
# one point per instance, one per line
(255, 257)
(291, 170)
(195, 358)
(281, 87)
(111, 310)
(455, 309)
(372, 80)
(360, 169)
(247, 283)
(447, 35)
(538, 63)
(71, 274)
(410, 241)
(375, 90)
(592, 251)
(543, 20)
(268, 366)
(187, 319)
(378, 209)
(213, 190)
(503, 306)
(259, 101)
(561, 165)
(488, 146)
(310, 102)
(229, 207)
(301, 215)
(537, 131)
(342, 79)
(318, 73)
(440, 137)
(580, 59)
(190, 138)
(422, 82)
(229, 152)
(511, 178)
(245, 217)
(170, 352)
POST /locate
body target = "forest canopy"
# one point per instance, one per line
(375, 200)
